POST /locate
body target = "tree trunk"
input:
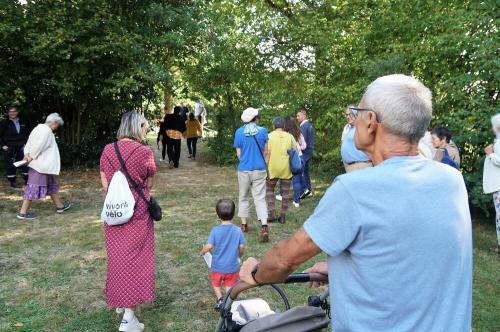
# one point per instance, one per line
(169, 101)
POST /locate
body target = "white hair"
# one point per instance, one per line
(131, 126)
(54, 118)
(495, 122)
(402, 104)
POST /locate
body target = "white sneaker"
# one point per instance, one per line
(131, 326)
(161, 159)
(279, 198)
(296, 204)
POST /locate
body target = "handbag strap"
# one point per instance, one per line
(129, 178)
(262, 155)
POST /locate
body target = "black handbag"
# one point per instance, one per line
(153, 206)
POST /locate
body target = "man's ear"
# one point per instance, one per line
(373, 121)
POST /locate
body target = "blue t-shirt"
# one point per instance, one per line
(348, 150)
(226, 240)
(399, 245)
(250, 157)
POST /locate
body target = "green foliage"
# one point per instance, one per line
(90, 60)
(258, 53)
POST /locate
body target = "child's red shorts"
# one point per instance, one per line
(229, 279)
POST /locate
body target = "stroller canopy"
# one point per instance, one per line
(298, 319)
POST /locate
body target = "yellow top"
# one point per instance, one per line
(279, 161)
(193, 129)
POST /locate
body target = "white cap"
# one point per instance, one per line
(249, 114)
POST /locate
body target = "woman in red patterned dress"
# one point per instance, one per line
(130, 247)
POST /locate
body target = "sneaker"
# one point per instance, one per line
(282, 219)
(279, 198)
(63, 208)
(170, 164)
(131, 326)
(264, 234)
(25, 216)
(306, 193)
(190, 156)
(218, 305)
(244, 228)
(297, 205)
(161, 159)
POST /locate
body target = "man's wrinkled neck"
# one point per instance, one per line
(388, 146)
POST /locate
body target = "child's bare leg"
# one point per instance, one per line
(218, 292)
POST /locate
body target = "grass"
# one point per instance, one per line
(52, 269)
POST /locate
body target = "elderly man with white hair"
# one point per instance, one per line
(42, 156)
(397, 235)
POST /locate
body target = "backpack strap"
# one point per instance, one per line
(129, 178)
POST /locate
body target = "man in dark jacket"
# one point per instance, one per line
(308, 132)
(14, 134)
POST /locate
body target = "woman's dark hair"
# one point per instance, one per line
(191, 117)
(225, 209)
(279, 123)
(442, 132)
(177, 110)
(292, 128)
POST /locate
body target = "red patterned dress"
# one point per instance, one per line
(130, 247)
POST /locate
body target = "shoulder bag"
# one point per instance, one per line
(295, 161)
(153, 206)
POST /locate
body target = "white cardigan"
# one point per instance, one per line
(42, 147)
(491, 173)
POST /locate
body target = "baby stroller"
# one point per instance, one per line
(255, 315)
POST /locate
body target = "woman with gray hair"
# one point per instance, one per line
(278, 162)
(130, 247)
(491, 174)
(42, 156)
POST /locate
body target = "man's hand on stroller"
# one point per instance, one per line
(284, 258)
(320, 267)
(246, 271)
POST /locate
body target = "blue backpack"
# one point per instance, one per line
(296, 163)
(447, 159)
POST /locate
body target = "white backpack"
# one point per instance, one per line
(119, 204)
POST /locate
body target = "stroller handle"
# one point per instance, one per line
(291, 279)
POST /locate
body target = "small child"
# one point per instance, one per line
(228, 244)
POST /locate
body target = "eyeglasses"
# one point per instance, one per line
(353, 112)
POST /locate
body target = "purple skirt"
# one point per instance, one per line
(40, 185)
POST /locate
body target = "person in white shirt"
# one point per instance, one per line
(491, 175)
(42, 156)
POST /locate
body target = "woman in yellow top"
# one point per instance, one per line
(278, 162)
(193, 131)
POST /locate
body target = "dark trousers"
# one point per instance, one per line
(13, 154)
(164, 149)
(191, 143)
(306, 178)
(174, 151)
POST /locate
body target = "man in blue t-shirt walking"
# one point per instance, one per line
(250, 142)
